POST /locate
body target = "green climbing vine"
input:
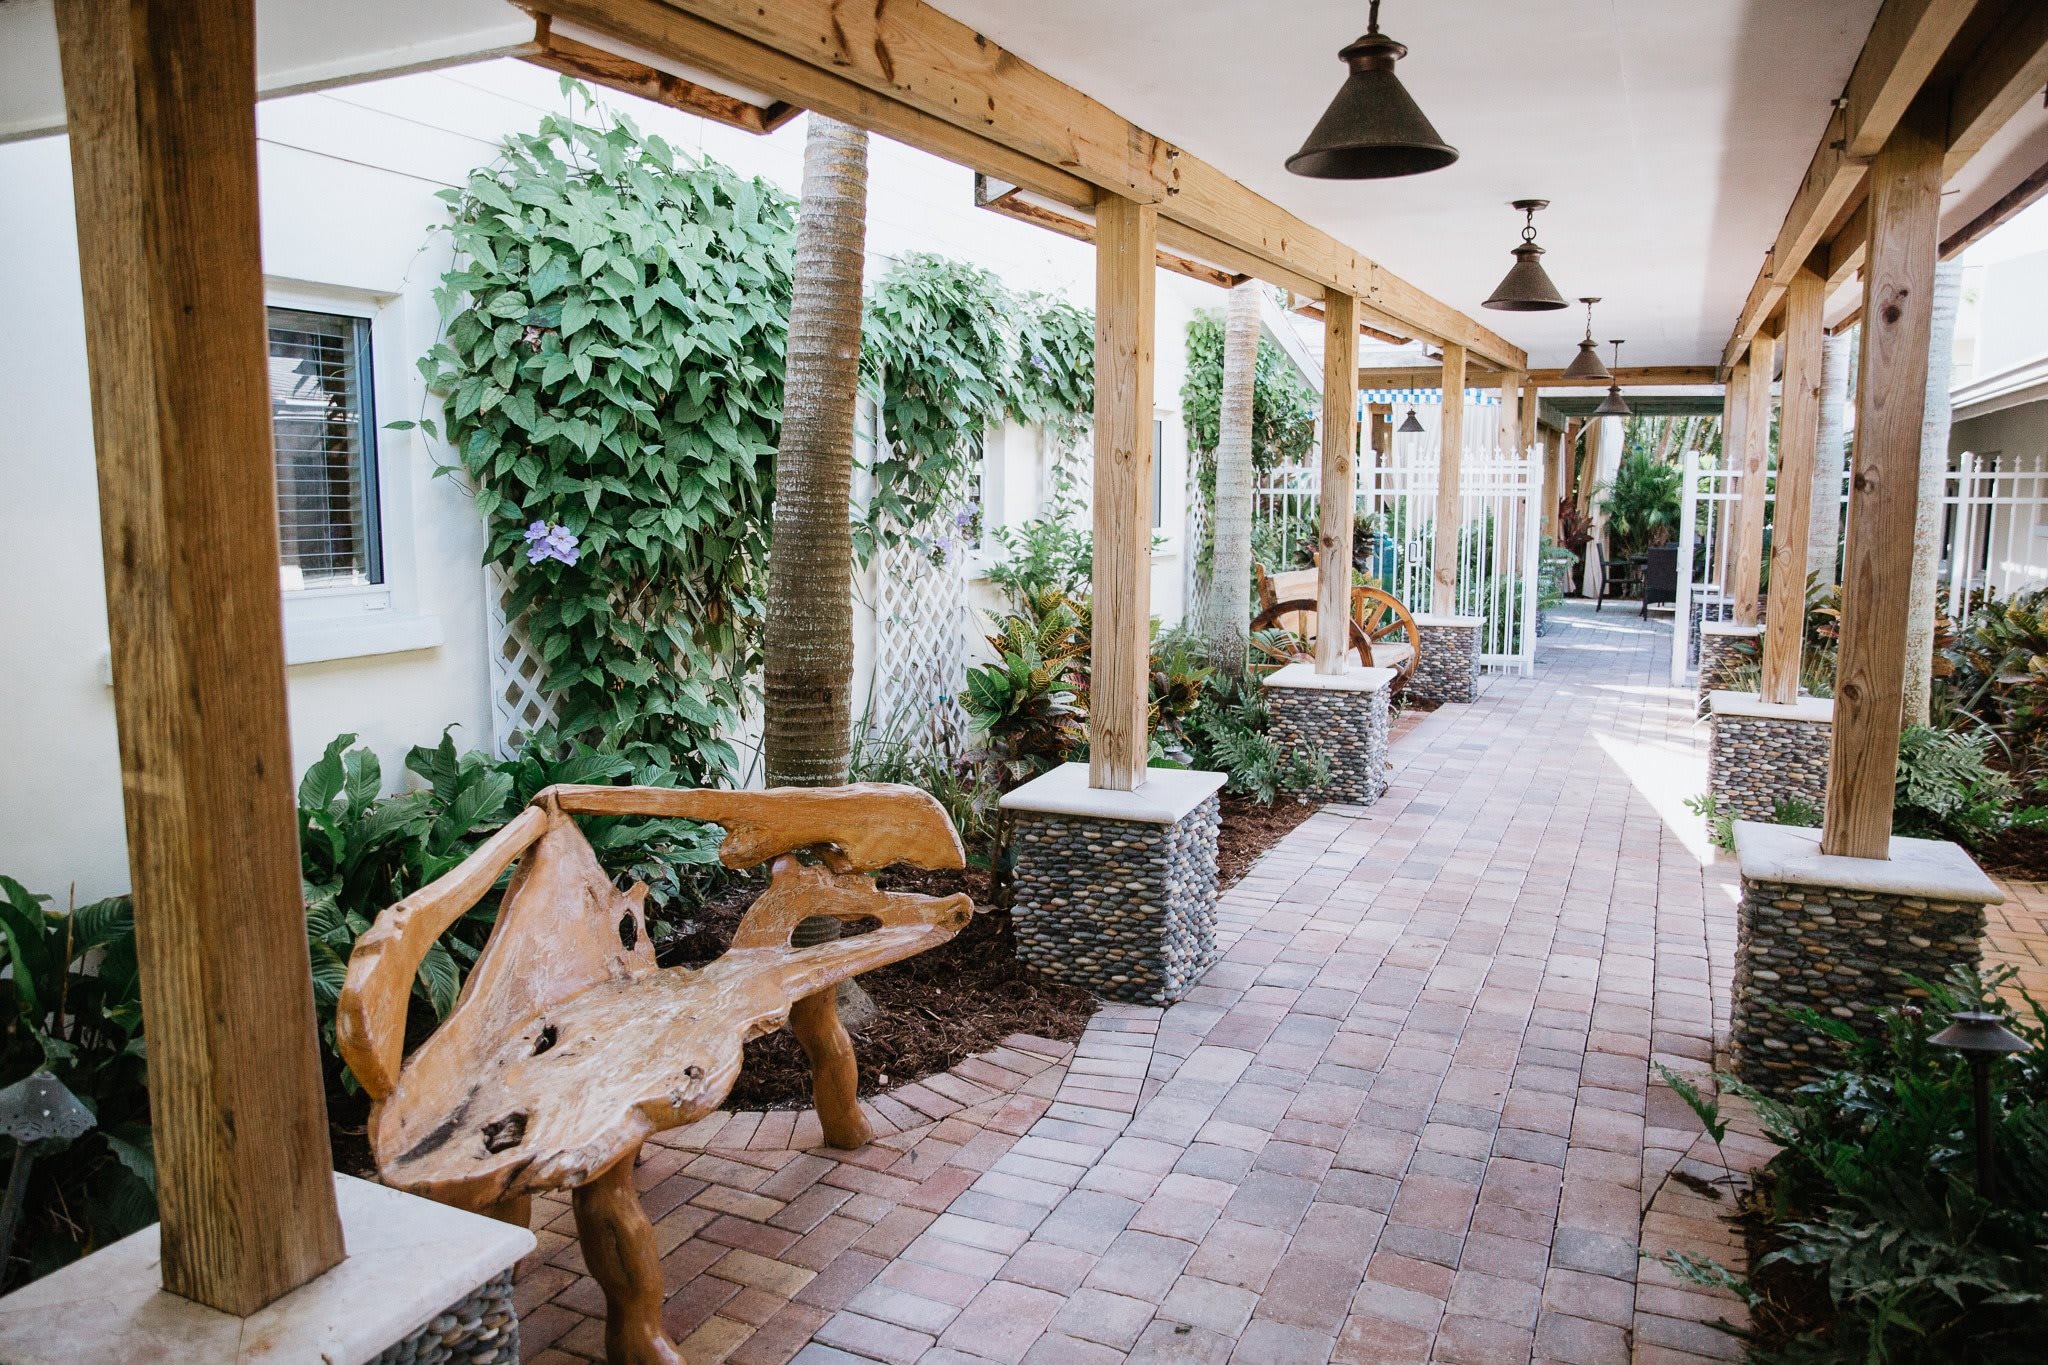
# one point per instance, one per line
(946, 350)
(610, 371)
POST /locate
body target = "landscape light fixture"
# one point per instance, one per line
(1586, 364)
(1373, 129)
(1982, 1038)
(1614, 405)
(1526, 288)
(1410, 426)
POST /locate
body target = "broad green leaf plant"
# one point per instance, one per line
(611, 371)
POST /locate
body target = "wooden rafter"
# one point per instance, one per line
(615, 72)
(917, 75)
(1907, 41)
(1010, 202)
(1628, 375)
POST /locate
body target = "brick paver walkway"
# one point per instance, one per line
(1410, 1115)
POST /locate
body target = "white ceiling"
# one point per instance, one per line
(1669, 135)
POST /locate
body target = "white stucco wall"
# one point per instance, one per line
(348, 183)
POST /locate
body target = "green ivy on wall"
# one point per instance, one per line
(611, 373)
(947, 350)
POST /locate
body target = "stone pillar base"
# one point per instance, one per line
(1115, 892)
(1761, 753)
(1341, 716)
(1724, 647)
(422, 1282)
(1449, 667)
(1705, 607)
(1840, 936)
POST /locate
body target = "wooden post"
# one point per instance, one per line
(1798, 434)
(1449, 464)
(161, 98)
(1891, 398)
(1118, 734)
(1745, 442)
(1531, 431)
(1511, 433)
(1339, 481)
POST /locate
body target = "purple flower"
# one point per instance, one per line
(551, 541)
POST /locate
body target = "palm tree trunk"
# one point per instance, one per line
(1934, 425)
(1229, 603)
(1824, 535)
(808, 649)
(807, 733)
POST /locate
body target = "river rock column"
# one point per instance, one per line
(1448, 669)
(1725, 647)
(1760, 753)
(1341, 716)
(1842, 936)
(1115, 891)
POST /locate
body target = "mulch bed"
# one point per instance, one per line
(2021, 853)
(931, 1011)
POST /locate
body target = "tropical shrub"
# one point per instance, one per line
(1642, 503)
(71, 1005)
(1880, 1246)
(1052, 553)
(1229, 733)
(1947, 788)
(2000, 677)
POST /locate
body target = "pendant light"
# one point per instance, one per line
(1525, 288)
(1614, 405)
(1586, 364)
(1410, 426)
(1373, 129)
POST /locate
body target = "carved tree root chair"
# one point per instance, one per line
(569, 1046)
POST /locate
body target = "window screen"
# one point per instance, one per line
(321, 409)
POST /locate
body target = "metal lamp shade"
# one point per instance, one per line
(1526, 288)
(1613, 405)
(1373, 129)
(1975, 1031)
(1586, 364)
(1410, 426)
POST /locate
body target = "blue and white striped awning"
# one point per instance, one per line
(1434, 397)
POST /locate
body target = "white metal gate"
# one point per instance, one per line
(1496, 550)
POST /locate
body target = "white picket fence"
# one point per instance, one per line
(1994, 537)
(1500, 531)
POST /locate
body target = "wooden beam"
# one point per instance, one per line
(1449, 466)
(1010, 202)
(1339, 492)
(909, 55)
(1755, 451)
(1891, 397)
(1907, 40)
(1418, 377)
(1632, 375)
(1798, 435)
(1118, 731)
(2009, 206)
(2008, 68)
(161, 100)
(623, 74)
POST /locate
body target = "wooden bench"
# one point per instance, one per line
(569, 1047)
(1382, 633)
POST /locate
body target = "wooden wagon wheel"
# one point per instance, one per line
(1384, 620)
(1283, 646)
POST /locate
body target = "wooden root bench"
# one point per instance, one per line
(568, 1046)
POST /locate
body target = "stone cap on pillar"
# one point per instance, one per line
(1927, 869)
(1430, 618)
(1747, 705)
(1354, 678)
(1164, 798)
(1731, 628)
(409, 1259)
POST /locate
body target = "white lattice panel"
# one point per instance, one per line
(921, 623)
(518, 705)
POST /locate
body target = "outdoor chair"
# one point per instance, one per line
(1660, 577)
(569, 1046)
(1620, 580)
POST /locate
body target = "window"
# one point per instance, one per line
(324, 416)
